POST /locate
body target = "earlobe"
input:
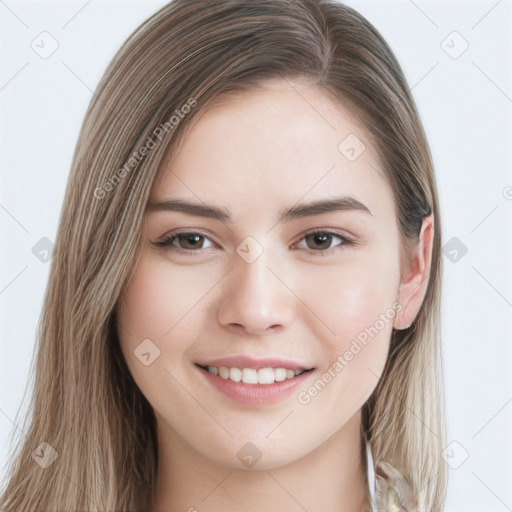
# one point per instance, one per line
(413, 286)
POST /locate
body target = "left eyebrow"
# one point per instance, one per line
(298, 211)
(340, 203)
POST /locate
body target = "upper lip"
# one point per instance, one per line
(250, 362)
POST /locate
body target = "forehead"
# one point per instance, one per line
(277, 143)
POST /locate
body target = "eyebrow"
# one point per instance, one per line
(297, 211)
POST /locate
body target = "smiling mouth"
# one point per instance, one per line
(266, 375)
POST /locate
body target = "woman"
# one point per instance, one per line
(243, 305)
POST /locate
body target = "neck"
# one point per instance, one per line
(332, 477)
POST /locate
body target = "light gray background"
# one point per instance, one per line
(466, 106)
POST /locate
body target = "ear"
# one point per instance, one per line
(415, 276)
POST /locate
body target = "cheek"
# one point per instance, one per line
(351, 296)
(156, 306)
(159, 298)
(356, 304)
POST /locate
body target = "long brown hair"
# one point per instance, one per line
(85, 404)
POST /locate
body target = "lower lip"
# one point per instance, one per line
(256, 394)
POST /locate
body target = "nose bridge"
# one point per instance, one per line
(255, 298)
(254, 278)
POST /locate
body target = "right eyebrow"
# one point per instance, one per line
(196, 209)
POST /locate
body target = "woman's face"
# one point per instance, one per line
(257, 273)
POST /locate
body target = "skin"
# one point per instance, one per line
(255, 153)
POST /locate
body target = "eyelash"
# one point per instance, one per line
(167, 241)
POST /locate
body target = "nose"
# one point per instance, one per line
(256, 299)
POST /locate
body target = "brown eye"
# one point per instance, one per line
(186, 242)
(320, 241)
(324, 242)
(190, 241)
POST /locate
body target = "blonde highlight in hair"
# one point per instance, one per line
(85, 403)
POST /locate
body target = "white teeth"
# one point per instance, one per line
(266, 376)
(253, 376)
(280, 374)
(250, 376)
(235, 374)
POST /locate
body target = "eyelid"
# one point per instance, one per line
(165, 241)
(346, 241)
(328, 231)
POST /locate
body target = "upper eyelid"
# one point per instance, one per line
(330, 231)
